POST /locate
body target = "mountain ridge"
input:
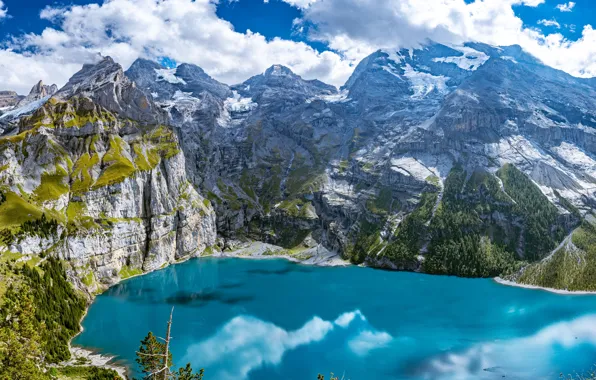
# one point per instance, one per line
(417, 145)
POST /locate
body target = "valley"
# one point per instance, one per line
(473, 161)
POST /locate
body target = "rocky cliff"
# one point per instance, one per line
(95, 177)
(471, 160)
(365, 170)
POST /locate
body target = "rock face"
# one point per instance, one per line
(39, 91)
(288, 161)
(445, 159)
(97, 159)
(9, 99)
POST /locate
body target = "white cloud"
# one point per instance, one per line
(566, 7)
(186, 30)
(552, 22)
(190, 31)
(3, 10)
(301, 4)
(345, 319)
(357, 27)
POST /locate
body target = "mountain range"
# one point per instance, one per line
(468, 160)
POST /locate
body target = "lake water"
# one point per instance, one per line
(272, 319)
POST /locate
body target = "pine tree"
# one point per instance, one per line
(151, 356)
(20, 338)
(186, 373)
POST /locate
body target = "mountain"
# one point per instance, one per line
(96, 177)
(421, 154)
(39, 91)
(22, 105)
(8, 99)
(469, 160)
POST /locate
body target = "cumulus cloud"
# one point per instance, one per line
(246, 343)
(356, 27)
(190, 31)
(3, 10)
(301, 4)
(552, 22)
(185, 30)
(566, 7)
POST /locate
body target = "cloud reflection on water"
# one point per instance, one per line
(247, 343)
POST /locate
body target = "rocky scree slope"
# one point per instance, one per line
(95, 177)
(422, 154)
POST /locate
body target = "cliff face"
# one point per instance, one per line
(364, 171)
(467, 160)
(96, 159)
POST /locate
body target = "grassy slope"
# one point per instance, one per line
(570, 268)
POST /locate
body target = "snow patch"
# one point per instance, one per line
(508, 58)
(234, 106)
(168, 75)
(423, 83)
(340, 97)
(471, 59)
(395, 56)
(28, 108)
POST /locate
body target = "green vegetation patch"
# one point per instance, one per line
(568, 269)
(127, 272)
(52, 186)
(16, 211)
(540, 215)
(382, 204)
(118, 166)
(57, 305)
(81, 174)
(84, 373)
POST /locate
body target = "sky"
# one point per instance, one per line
(233, 40)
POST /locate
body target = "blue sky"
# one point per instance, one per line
(233, 40)
(274, 18)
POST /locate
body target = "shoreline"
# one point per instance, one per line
(253, 251)
(95, 358)
(504, 282)
(92, 358)
(317, 256)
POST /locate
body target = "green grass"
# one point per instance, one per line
(83, 373)
(573, 270)
(88, 280)
(433, 179)
(343, 166)
(52, 186)
(75, 210)
(127, 272)
(16, 210)
(81, 174)
(141, 161)
(119, 167)
(381, 205)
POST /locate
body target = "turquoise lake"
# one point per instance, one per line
(273, 319)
